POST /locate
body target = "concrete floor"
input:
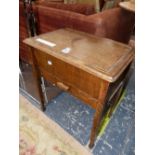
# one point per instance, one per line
(76, 118)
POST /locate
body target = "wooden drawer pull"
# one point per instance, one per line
(62, 86)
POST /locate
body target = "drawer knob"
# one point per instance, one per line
(62, 86)
(49, 62)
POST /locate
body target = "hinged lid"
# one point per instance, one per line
(102, 57)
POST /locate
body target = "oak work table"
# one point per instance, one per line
(91, 68)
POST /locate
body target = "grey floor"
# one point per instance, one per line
(76, 118)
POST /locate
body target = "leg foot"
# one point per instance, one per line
(43, 108)
(91, 145)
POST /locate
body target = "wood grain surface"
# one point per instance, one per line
(102, 57)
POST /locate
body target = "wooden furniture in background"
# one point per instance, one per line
(101, 2)
(91, 68)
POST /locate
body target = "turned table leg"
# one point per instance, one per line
(98, 113)
(37, 77)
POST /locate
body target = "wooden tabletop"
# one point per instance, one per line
(102, 57)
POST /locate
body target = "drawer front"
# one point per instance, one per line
(78, 78)
(45, 61)
(63, 85)
(69, 75)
